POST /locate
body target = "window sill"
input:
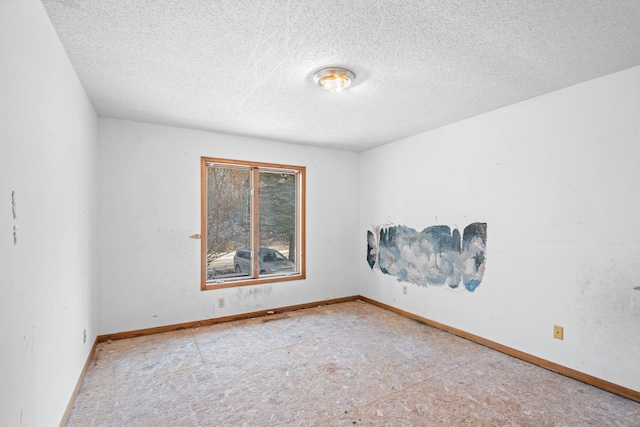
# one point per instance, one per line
(249, 282)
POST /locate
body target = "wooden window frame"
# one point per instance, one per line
(255, 215)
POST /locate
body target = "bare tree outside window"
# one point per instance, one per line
(278, 212)
(228, 210)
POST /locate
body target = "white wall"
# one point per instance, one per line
(48, 281)
(556, 180)
(149, 204)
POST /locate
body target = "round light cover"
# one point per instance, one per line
(334, 79)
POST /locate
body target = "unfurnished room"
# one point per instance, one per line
(319, 213)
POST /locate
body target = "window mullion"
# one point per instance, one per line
(255, 220)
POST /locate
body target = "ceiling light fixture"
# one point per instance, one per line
(334, 79)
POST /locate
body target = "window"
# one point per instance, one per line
(252, 223)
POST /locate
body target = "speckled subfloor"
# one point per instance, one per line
(338, 365)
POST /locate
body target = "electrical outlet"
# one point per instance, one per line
(558, 332)
(404, 290)
(220, 302)
(84, 336)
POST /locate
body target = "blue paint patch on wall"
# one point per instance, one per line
(436, 255)
(472, 284)
(372, 249)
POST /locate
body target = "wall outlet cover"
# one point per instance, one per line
(558, 332)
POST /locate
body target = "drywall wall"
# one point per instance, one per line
(48, 279)
(555, 179)
(149, 204)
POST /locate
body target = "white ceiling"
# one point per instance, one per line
(245, 67)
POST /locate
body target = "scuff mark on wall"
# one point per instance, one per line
(251, 298)
(13, 204)
(15, 216)
(435, 256)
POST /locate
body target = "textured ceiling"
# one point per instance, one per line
(246, 67)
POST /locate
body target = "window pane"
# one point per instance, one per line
(277, 224)
(228, 222)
